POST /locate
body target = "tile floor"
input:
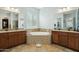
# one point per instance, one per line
(43, 48)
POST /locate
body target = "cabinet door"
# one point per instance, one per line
(22, 37)
(73, 41)
(19, 39)
(3, 40)
(12, 39)
(63, 39)
(77, 42)
(55, 37)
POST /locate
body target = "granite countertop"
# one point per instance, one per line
(3, 31)
(66, 31)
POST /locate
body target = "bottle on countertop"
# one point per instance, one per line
(78, 28)
(54, 26)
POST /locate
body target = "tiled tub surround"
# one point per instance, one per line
(39, 30)
(38, 37)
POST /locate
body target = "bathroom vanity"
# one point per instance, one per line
(12, 38)
(68, 39)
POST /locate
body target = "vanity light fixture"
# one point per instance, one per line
(17, 10)
(7, 8)
(60, 10)
(14, 10)
(39, 7)
(64, 9)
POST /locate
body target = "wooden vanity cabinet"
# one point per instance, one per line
(63, 38)
(66, 39)
(3, 41)
(55, 37)
(73, 41)
(21, 37)
(16, 38)
(60, 38)
(12, 39)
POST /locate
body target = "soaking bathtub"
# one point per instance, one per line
(39, 33)
(38, 38)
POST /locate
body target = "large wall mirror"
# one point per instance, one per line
(70, 20)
